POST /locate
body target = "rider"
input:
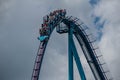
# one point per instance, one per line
(43, 34)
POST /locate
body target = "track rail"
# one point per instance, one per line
(83, 37)
(40, 53)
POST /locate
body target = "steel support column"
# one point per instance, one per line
(73, 53)
(70, 55)
(77, 60)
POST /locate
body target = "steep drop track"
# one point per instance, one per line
(81, 32)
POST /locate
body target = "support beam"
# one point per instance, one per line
(73, 53)
(70, 56)
(77, 60)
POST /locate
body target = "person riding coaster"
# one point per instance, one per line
(43, 34)
(44, 31)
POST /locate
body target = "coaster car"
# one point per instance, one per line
(42, 38)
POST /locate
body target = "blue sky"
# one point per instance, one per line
(98, 25)
(94, 2)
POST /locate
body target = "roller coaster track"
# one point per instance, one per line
(81, 32)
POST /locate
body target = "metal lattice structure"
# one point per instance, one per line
(73, 26)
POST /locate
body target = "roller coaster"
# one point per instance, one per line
(73, 26)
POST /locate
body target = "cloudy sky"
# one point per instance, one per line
(19, 24)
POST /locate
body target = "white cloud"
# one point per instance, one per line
(21, 30)
(109, 11)
(5, 5)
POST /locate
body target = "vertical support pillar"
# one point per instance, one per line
(70, 55)
(73, 53)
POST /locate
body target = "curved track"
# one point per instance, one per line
(87, 44)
